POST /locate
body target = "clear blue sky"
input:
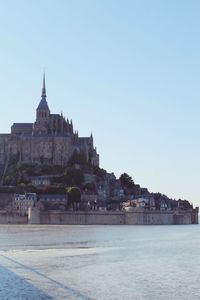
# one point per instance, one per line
(129, 71)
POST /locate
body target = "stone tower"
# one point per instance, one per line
(42, 112)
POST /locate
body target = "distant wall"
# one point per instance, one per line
(112, 218)
(149, 218)
(182, 219)
(101, 217)
(82, 218)
(9, 218)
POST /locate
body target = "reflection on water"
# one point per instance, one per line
(99, 262)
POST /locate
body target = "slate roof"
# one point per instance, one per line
(43, 104)
(55, 115)
(83, 140)
(22, 126)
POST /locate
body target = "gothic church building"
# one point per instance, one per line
(51, 139)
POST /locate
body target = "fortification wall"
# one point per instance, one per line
(183, 218)
(82, 218)
(101, 218)
(149, 218)
(9, 218)
(111, 218)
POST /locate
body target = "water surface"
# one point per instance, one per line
(99, 262)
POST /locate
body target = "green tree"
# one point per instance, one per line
(74, 197)
(126, 181)
(90, 186)
(7, 180)
(21, 187)
(31, 188)
(73, 176)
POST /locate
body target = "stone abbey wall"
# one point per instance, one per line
(52, 149)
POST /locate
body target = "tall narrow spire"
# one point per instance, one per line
(44, 95)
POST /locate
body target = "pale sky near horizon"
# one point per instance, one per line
(129, 71)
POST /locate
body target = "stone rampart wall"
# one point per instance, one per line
(101, 218)
(9, 218)
(110, 218)
(82, 218)
(149, 218)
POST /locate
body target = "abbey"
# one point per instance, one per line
(51, 139)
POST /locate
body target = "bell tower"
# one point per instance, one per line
(42, 123)
(43, 112)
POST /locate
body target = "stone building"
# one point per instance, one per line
(22, 203)
(50, 201)
(51, 139)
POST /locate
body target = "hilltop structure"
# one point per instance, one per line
(48, 170)
(51, 139)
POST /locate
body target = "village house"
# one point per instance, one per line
(22, 203)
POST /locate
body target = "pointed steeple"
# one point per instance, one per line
(43, 105)
(44, 95)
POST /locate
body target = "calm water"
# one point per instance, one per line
(99, 262)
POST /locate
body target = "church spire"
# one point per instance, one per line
(43, 105)
(44, 95)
